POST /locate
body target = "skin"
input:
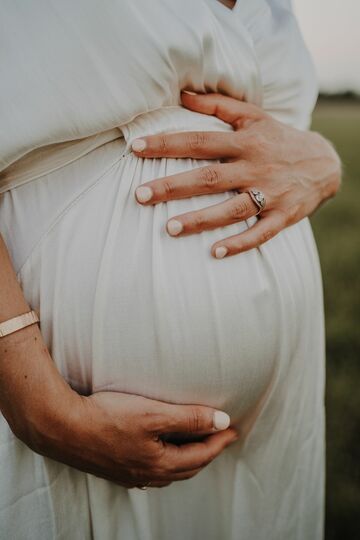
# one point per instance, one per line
(296, 170)
(228, 3)
(130, 439)
(124, 438)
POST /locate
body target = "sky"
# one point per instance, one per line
(331, 29)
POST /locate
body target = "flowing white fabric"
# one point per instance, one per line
(124, 306)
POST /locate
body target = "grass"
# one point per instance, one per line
(337, 231)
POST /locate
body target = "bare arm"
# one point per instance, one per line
(24, 360)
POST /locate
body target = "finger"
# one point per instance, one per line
(191, 144)
(233, 210)
(159, 484)
(153, 484)
(166, 479)
(180, 476)
(170, 478)
(187, 419)
(265, 229)
(177, 477)
(196, 455)
(139, 485)
(215, 178)
(235, 112)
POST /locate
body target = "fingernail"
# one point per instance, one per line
(138, 145)
(143, 193)
(174, 227)
(189, 92)
(220, 252)
(221, 420)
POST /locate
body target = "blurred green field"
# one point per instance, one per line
(337, 231)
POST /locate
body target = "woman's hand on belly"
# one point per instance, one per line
(295, 170)
(126, 438)
(121, 437)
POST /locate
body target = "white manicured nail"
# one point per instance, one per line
(220, 252)
(144, 193)
(189, 92)
(221, 420)
(138, 145)
(174, 227)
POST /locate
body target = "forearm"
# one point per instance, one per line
(29, 380)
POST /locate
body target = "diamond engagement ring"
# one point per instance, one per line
(258, 197)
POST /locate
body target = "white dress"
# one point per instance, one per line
(124, 306)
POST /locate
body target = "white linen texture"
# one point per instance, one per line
(123, 305)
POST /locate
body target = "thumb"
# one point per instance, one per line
(230, 110)
(193, 419)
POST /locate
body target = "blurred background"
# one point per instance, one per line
(331, 30)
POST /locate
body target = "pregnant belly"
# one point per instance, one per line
(125, 307)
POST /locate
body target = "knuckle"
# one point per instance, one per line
(195, 140)
(160, 471)
(163, 144)
(151, 420)
(165, 467)
(209, 177)
(266, 235)
(159, 468)
(157, 452)
(194, 420)
(199, 222)
(155, 423)
(239, 209)
(168, 188)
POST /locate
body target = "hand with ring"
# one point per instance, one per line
(277, 171)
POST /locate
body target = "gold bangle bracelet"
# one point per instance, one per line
(18, 323)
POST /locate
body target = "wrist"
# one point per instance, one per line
(34, 398)
(49, 422)
(66, 432)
